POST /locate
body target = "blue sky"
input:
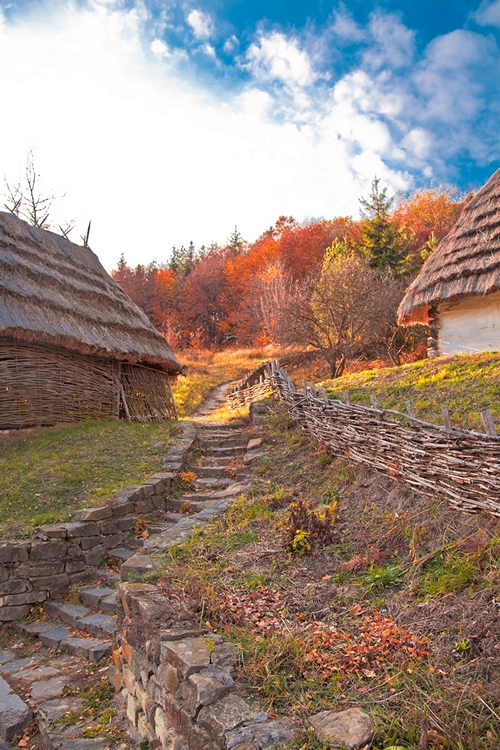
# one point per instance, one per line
(166, 122)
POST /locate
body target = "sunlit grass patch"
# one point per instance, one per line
(466, 384)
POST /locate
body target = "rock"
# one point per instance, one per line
(12, 667)
(6, 656)
(47, 689)
(82, 743)
(353, 728)
(163, 730)
(92, 648)
(137, 564)
(168, 676)
(210, 685)
(92, 514)
(225, 655)
(54, 709)
(188, 656)
(14, 713)
(224, 715)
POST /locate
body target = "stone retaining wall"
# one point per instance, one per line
(178, 682)
(62, 554)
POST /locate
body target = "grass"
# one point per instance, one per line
(207, 370)
(394, 610)
(48, 473)
(466, 384)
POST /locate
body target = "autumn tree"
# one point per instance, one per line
(425, 217)
(205, 302)
(341, 311)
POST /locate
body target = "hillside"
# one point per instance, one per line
(342, 588)
(466, 384)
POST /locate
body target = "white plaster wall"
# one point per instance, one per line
(470, 325)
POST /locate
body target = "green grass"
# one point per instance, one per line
(45, 474)
(466, 384)
(420, 567)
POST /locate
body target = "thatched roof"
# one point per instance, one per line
(53, 291)
(465, 263)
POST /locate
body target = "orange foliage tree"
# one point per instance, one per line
(233, 294)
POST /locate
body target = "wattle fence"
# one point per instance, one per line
(462, 465)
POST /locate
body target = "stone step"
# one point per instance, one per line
(229, 442)
(208, 471)
(222, 426)
(15, 715)
(100, 597)
(77, 618)
(221, 460)
(66, 612)
(119, 555)
(205, 482)
(221, 451)
(62, 636)
(44, 688)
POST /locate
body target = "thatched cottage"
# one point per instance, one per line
(457, 292)
(73, 346)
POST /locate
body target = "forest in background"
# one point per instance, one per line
(330, 284)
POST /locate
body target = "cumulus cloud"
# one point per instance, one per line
(201, 23)
(488, 13)
(392, 43)
(151, 154)
(345, 27)
(161, 50)
(276, 57)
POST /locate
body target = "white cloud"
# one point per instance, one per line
(275, 57)
(153, 157)
(488, 13)
(160, 49)
(150, 157)
(452, 93)
(418, 142)
(393, 44)
(209, 50)
(345, 27)
(201, 23)
(231, 44)
(163, 51)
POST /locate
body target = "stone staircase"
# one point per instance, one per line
(71, 639)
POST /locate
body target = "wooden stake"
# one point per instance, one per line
(125, 405)
(488, 422)
(446, 418)
(410, 409)
(346, 397)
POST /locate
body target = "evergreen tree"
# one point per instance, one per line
(381, 241)
(236, 243)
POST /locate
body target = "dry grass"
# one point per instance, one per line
(208, 369)
(396, 613)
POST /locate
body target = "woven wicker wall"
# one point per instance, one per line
(44, 385)
(147, 393)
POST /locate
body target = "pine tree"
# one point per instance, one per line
(382, 242)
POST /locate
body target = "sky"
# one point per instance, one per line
(170, 121)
